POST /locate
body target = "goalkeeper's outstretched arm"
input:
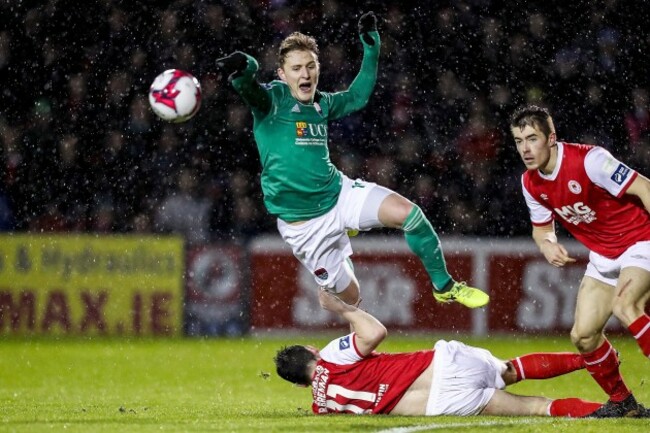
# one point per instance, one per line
(241, 69)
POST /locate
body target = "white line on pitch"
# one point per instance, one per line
(464, 425)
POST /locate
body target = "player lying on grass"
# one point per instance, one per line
(347, 376)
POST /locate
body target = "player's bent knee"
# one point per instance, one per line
(625, 311)
(510, 375)
(395, 210)
(405, 209)
(414, 218)
(346, 285)
(585, 343)
(350, 295)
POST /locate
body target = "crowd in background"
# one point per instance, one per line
(82, 151)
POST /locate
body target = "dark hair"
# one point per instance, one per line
(291, 364)
(296, 41)
(533, 116)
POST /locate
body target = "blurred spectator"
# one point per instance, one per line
(141, 223)
(103, 218)
(637, 119)
(76, 103)
(70, 181)
(163, 162)
(7, 220)
(641, 153)
(246, 207)
(478, 141)
(50, 220)
(184, 211)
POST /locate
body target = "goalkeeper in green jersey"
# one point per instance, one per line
(315, 204)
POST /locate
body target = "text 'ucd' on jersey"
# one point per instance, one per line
(311, 134)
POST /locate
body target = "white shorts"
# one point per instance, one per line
(464, 379)
(322, 244)
(607, 270)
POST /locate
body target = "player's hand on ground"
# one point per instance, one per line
(233, 64)
(368, 23)
(556, 254)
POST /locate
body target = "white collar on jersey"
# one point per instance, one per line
(558, 163)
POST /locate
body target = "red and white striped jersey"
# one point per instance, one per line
(344, 381)
(586, 194)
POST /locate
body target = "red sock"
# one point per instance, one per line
(640, 329)
(547, 365)
(572, 407)
(602, 364)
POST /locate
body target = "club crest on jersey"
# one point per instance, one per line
(321, 274)
(575, 187)
(344, 342)
(301, 129)
(620, 174)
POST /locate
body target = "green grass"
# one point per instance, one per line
(191, 385)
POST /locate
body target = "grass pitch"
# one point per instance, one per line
(215, 385)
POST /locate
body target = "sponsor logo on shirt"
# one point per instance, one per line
(344, 342)
(620, 174)
(311, 134)
(577, 213)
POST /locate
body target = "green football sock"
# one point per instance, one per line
(424, 242)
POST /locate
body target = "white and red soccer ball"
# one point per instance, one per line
(175, 95)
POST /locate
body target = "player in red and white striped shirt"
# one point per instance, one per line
(605, 205)
(348, 376)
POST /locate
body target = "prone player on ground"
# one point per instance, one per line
(315, 204)
(348, 376)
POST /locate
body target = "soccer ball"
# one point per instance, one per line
(175, 95)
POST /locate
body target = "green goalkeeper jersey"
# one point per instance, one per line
(299, 181)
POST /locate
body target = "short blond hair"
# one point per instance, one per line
(296, 41)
